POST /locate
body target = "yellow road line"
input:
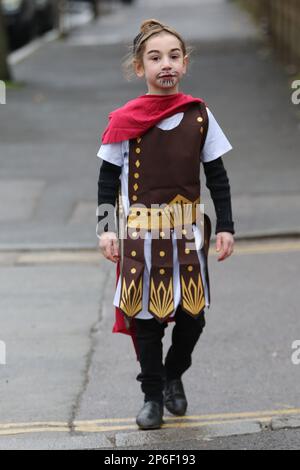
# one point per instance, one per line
(95, 257)
(38, 424)
(114, 424)
(247, 414)
(167, 425)
(264, 248)
(14, 432)
(59, 257)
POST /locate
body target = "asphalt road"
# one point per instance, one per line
(67, 373)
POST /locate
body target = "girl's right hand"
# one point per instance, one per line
(109, 246)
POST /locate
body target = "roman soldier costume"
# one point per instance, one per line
(164, 199)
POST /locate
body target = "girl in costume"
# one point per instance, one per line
(152, 151)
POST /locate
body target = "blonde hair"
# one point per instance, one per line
(147, 29)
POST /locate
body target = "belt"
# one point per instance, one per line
(165, 216)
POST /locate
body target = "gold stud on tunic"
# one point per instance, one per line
(133, 253)
(162, 254)
(136, 175)
(190, 268)
(135, 186)
(133, 270)
(161, 271)
(199, 119)
(187, 251)
(134, 198)
(137, 163)
(138, 150)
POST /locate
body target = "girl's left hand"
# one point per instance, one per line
(225, 242)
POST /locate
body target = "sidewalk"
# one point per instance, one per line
(56, 310)
(50, 129)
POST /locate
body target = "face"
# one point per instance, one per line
(163, 64)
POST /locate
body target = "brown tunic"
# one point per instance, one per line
(164, 194)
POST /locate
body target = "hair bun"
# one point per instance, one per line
(149, 24)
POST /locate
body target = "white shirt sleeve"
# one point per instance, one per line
(112, 153)
(216, 143)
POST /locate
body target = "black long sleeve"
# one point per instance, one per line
(218, 184)
(108, 186)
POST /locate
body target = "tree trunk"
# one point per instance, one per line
(4, 67)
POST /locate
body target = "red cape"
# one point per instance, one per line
(120, 325)
(140, 114)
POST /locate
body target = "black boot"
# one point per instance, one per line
(151, 415)
(174, 397)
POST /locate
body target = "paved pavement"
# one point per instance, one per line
(56, 306)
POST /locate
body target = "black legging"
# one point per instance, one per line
(149, 334)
